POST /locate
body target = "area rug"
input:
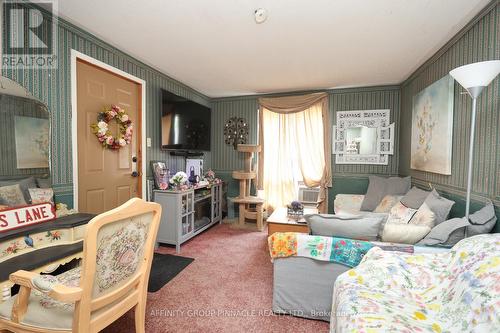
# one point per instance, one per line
(227, 288)
(164, 268)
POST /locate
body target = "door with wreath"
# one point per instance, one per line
(108, 142)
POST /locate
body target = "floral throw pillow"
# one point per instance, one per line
(387, 203)
(41, 195)
(400, 214)
(11, 195)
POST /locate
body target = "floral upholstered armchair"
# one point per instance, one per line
(117, 254)
(458, 291)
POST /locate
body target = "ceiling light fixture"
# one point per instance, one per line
(260, 15)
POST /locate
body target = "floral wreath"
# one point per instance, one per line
(104, 135)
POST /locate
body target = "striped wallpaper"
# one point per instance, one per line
(225, 158)
(477, 42)
(54, 88)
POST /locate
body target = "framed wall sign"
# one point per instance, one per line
(19, 217)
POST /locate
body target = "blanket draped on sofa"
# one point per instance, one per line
(344, 251)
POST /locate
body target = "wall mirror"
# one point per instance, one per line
(24, 135)
(363, 137)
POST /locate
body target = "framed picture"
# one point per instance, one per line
(432, 127)
(32, 142)
(161, 174)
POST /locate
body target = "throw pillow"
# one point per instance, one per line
(400, 214)
(41, 195)
(446, 233)
(11, 195)
(415, 198)
(44, 182)
(374, 194)
(398, 185)
(387, 203)
(424, 216)
(482, 221)
(344, 227)
(379, 187)
(347, 203)
(404, 233)
(440, 206)
(25, 184)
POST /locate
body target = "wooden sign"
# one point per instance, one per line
(18, 217)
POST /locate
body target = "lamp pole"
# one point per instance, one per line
(474, 78)
(477, 92)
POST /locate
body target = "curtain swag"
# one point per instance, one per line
(294, 104)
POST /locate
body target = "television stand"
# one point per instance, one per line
(187, 213)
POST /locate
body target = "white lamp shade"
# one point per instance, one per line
(478, 74)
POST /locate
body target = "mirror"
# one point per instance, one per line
(24, 134)
(363, 137)
(361, 140)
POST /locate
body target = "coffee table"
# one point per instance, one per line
(280, 222)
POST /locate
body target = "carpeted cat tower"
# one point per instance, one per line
(250, 207)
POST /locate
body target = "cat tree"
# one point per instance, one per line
(250, 207)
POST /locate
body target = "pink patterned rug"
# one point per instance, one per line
(228, 288)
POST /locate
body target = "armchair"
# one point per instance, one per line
(113, 277)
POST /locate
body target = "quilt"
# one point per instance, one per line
(344, 251)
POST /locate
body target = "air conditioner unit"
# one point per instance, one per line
(308, 195)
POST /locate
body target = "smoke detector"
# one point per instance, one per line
(260, 15)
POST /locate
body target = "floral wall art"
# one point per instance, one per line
(432, 127)
(32, 142)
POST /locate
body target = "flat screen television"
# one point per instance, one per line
(185, 125)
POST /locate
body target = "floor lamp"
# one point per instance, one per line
(474, 78)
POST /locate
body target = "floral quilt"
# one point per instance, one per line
(458, 291)
(344, 251)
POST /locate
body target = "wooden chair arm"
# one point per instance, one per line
(58, 292)
(66, 294)
(23, 278)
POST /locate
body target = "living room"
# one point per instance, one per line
(327, 166)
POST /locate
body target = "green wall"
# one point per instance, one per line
(226, 159)
(54, 88)
(478, 41)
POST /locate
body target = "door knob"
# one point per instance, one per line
(135, 174)
(134, 159)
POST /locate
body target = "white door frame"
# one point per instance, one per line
(74, 128)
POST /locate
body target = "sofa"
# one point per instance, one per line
(455, 291)
(303, 287)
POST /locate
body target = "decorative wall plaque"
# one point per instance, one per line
(235, 131)
(363, 137)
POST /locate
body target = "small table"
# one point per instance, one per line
(280, 222)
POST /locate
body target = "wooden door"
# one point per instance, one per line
(106, 177)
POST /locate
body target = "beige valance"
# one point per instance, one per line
(290, 104)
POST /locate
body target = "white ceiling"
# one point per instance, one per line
(217, 48)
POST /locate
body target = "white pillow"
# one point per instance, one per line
(400, 214)
(424, 216)
(404, 233)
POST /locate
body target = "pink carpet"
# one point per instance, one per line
(227, 288)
